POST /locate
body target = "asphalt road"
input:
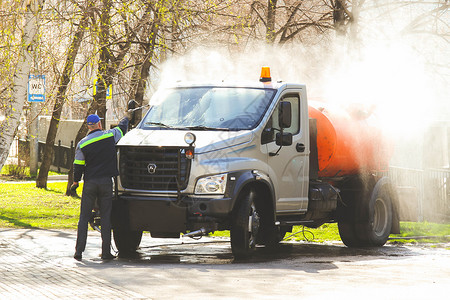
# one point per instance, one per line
(40, 263)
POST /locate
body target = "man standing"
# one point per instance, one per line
(96, 158)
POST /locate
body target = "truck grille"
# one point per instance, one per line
(153, 168)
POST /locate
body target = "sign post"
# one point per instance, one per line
(36, 93)
(108, 90)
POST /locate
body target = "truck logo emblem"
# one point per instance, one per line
(151, 168)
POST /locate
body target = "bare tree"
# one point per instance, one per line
(284, 21)
(147, 45)
(346, 16)
(74, 47)
(113, 50)
(8, 127)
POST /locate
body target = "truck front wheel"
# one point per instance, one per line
(127, 241)
(245, 225)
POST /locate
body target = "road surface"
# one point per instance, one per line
(39, 264)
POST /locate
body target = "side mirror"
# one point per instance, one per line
(285, 114)
(132, 105)
(283, 139)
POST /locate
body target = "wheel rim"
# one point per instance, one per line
(253, 226)
(380, 219)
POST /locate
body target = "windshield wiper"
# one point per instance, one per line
(158, 124)
(203, 127)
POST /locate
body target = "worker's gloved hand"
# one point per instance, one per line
(129, 114)
(74, 187)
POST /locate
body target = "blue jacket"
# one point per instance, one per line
(96, 156)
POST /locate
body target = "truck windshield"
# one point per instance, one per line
(208, 108)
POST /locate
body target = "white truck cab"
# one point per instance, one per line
(223, 156)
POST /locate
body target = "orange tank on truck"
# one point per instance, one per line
(348, 142)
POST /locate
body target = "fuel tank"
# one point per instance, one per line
(348, 141)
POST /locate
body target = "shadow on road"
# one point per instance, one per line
(58, 245)
(219, 253)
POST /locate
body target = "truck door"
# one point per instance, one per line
(289, 169)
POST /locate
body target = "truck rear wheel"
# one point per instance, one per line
(376, 229)
(245, 225)
(348, 234)
(367, 220)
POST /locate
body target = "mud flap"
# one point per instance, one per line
(161, 218)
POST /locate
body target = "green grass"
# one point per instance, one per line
(411, 233)
(423, 232)
(22, 205)
(326, 232)
(15, 173)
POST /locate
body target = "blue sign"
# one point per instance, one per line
(36, 88)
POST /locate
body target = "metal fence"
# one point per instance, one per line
(13, 156)
(14, 150)
(436, 202)
(62, 155)
(424, 194)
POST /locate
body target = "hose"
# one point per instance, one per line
(303, 231)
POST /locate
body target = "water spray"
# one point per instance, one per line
(138, 108)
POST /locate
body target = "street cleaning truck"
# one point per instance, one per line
(255, 159)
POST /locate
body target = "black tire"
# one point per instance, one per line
(347, 226)
(348, 234)
(127, 241)
(272, 235)
(377, 228)
(245, 225)
(366, 221)
(279, 232)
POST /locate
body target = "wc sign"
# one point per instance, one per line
(36, 88)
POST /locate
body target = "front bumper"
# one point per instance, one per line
(211, 207)
(168, 215)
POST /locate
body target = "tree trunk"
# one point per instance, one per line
(339, 17)
(8, 127)
(140, 76)
(354, 26)
(142, 71)
(41, 181)
(104, 80)
(107, 68)
(270, 29)
(98, 105)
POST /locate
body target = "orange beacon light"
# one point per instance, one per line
(265, 75)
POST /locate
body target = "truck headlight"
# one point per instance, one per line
(214, 184)
(189, 138)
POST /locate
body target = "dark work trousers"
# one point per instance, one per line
(100, 189)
